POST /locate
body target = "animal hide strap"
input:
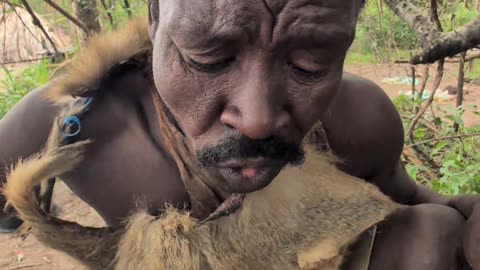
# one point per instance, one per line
(203, 199)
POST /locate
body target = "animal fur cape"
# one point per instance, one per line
(305, 219)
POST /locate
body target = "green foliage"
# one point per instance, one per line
(456, 15)
(456, 154)
(354, 57)
(380, 31)
(14, 86)
(472, 71)
(120, 14)
(382, 34)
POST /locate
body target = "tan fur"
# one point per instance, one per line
(307, 216)
(96, 247)
(102, 53)
(315, 208)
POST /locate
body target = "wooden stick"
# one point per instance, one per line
(110, 18)
(441, 139)
(461, 77)
(67, 15)
(436, 84)
(37, 23)
(127, 8)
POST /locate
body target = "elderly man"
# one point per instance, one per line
(243, 82)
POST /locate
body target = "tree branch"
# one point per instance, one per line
(469, 57)
(11, 4)
(126, 5)
(67, 15)
(436, 84)
(450, 44)
(13, 7)
(461, 77)
(459, 136)
(413, 16)
(37, 23)
(434, 15)
(107, 10)
(422, 87)
(435, 44)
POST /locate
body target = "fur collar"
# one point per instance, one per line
(86, 70)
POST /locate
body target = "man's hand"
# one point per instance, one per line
(469, 206)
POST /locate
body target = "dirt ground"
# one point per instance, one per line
(16, 253)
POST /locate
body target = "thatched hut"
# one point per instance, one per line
(21, 40)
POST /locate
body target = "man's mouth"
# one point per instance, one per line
(250, 174)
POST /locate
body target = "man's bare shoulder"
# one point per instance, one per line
(364, 127)
(25, 128)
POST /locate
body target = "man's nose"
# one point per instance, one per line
(257, 109)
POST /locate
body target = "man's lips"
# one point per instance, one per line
(252, 163)
(251, 172)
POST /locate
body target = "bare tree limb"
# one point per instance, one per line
(11, 4)
(422, 87)
(413, 71)
(126, 5)
(436, 84)
(450, 44)
(435, 44)
(37, 23)
(414, 17)
(13, 7)
(442, 139)
(434, 15)
(109, 15)
(468, 58)
(67, 15)
(461, 77)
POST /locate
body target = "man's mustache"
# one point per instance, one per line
(242, 147)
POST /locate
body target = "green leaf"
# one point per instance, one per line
(412, 170)
(441, 145)
(419, 133)
(437, 121)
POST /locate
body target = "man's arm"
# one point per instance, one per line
(395, 182)
(371, 143)
(24, 131)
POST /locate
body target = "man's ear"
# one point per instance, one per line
(153, 17)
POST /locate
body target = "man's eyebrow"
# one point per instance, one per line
(200, 36)
(316, 36)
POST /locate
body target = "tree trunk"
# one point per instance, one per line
(87, 12)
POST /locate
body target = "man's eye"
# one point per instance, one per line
(306, 74)
(210, 67)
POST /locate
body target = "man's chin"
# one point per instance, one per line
(248, 180)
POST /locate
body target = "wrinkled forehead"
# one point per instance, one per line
(197, 18)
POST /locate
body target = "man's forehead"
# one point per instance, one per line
(208, 17)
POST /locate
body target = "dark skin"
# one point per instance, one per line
(257, 69)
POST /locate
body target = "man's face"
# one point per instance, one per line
(246, 80)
